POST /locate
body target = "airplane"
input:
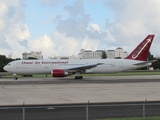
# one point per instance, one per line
(63, 68)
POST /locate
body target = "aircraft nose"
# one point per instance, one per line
(5, 68)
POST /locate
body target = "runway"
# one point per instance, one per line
(67, 90)
(71, 80)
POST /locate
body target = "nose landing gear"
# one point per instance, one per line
(15, 77)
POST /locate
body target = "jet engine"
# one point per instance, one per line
(59, 73)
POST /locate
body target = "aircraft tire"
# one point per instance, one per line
(79, 77)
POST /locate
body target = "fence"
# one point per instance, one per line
(88, 111)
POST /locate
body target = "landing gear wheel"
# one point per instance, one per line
(78, 77)
(15, 78)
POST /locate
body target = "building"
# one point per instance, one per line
(98, 54)
(32, 54)
(119, 52)
(86, 54)
(125, 54)
(110, 54)
(11, 56)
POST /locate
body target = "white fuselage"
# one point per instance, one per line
(46, 66)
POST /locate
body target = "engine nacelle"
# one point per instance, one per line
(59, 73)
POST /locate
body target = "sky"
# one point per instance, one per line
(63, 27)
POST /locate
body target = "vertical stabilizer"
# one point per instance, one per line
(141, 51)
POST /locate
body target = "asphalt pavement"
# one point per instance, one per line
(44, 93)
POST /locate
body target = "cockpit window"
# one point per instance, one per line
(9, 64)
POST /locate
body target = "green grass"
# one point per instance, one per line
(135, 118)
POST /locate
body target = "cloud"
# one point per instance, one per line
(93, 27)
(12, 27)
(73, 29)
(78, 25)
(52, 3)
(20, 31)
(76, 10)
(3, 11)
(68, 46)
(43, 42)
(133, 21)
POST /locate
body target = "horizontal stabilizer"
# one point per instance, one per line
(145, 62)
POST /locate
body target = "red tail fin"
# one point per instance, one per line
(141, 51)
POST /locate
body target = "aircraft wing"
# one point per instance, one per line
(145, 62)
(82, 67)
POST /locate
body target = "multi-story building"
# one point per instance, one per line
(86, 54)
(10, 56)
(125, 54)
(119, 52)
(98, 54)
(110, 54)
(32, 54)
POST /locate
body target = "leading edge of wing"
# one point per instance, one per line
(83, 67)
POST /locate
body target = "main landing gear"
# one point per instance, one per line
(79, 77)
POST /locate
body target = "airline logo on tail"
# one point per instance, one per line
(141, 48)
(141, 51)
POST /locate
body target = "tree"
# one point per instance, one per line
(118, 57)
(4, 61)
(150, 56)
(155, 65)
(104, 55)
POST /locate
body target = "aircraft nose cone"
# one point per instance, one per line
(5, 68)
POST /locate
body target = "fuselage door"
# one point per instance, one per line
(120, 64)
(18, 65)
